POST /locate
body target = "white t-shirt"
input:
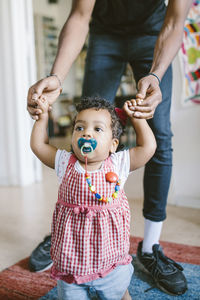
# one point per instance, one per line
(120, 160)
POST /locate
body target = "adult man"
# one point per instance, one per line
(147, 36)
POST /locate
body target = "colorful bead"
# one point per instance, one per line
(111, 177)
(104, 199)
(115, 195)
(98, 196)
(92, 188)
(117, 188)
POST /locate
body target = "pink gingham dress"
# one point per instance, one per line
(89, 237)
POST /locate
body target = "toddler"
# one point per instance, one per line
(91, 220)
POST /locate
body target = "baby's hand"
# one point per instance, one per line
(43, 105)
(130, 106)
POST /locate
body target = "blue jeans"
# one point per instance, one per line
(106, 61)
(111, 287)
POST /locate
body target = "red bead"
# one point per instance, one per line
(111, 177)
(104, 199)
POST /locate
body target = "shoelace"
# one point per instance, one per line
(169, 260)
(160, 256)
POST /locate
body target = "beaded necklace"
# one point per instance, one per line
(111, 177)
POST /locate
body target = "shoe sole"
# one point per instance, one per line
(45, 269)
(142, 268)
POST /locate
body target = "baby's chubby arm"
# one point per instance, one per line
(145, 140)
(39, 138)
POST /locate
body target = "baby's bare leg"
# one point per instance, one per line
(127, 296)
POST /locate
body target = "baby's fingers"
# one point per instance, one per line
(127, 108)
(42, 103)
(133, 102)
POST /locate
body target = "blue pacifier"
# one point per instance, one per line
(87, 146)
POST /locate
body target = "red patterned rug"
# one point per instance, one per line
(18, 283)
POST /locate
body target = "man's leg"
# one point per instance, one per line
(157, 180)
(157, 173)
(155, 194)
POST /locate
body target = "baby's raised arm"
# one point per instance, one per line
(39, 137)
(145, 140)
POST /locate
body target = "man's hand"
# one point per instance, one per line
(49, 88)
(148, 97)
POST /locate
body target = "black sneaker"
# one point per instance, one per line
(166, 273)
(40, 259)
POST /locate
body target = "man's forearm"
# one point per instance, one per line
(165, 50)
(170, 37)
(71, 41)
(72, 36)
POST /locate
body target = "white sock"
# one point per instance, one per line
(152, 231)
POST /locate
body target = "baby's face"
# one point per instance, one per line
(91, 123)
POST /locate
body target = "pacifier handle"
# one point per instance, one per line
(89, 146)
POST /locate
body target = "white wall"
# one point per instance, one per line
(185, 189)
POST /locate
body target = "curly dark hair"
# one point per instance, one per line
(101, 103)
